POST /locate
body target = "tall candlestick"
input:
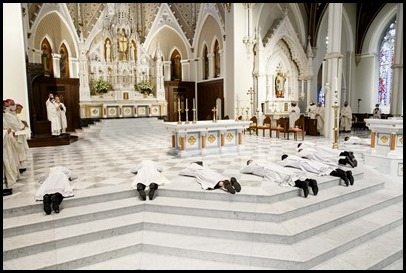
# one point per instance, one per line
(178, 104)
(194, 104)
(186, 103)
(336, 83)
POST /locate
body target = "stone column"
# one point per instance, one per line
(334, 72)
(397, 90)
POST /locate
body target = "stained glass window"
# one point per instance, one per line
(386, 54)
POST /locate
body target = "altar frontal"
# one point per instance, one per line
(206, 137)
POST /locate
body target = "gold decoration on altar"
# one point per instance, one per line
(229, 137)
(191, 140)
(384, 139)
(401, 140)
(211, 138)
(112, 111)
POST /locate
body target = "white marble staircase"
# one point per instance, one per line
(355, 227)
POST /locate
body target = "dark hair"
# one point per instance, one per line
(284, 156)
(346, 138)
(249, 161)
(300, 144)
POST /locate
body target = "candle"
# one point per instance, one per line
(186, 103)
(336, 83)
(178, 104)
(194, 104)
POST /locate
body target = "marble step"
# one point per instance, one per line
(221, 204)
(202, 200)
(286, 232)
(366, 257)
(153, 261)
(301, 255)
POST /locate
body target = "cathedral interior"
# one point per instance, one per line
(157, 81)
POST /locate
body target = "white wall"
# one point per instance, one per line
(14, 72)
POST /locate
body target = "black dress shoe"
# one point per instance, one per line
(350, 177)
(22, 170)
(7, 192)
(47, 204)
(141, 191)
(152, 188)
(227, 185)
(313, 185)
(305, 187)
(55, 203)
(235, 184)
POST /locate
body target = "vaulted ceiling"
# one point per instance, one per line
(85, 16)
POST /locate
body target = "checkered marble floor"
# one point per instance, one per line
(104, 162)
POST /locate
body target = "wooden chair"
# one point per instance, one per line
(299, 128)
(266, 125)
(281, 125)
(253, 125)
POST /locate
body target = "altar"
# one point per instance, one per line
(206, 137)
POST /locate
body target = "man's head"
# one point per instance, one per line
(284, 156)
(377, 105)
(12, 105)
(311, 103)
(293, 104)
(50, 95)
(19, 108)
(346, 103)
(249, 161)
(57, 99)
(346, 138)
(5, 105)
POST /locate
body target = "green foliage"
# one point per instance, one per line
(145, 87)
(100, 87)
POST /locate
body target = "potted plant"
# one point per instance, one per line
(145, 87)
(100, 87)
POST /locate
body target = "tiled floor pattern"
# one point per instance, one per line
(105, 161)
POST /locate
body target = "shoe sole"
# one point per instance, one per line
(55, 205)
(47, 205)
(230, 188)
(235, 184)
(143, 195)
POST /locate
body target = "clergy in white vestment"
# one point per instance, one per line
(354, 140)
(316, 167)
(53, 116)
(14, 123)
(346, 118)
(320, 118)
(10, 159)
(272, 172)
(57, 180)
(62, 114)
(311, 111)
(55, 187)
(294, 114)
(148, 177)
(310, 150)
(210, 179)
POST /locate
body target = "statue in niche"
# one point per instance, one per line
(45, 57)
(122, 45)
(108, 51)
(280, 80)
(62, 63)
(177, 69)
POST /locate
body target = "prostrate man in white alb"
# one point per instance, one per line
(310, 150)
(148, 172)
(55, 187)
(210, 179)
(285, 177)
(316, 167)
